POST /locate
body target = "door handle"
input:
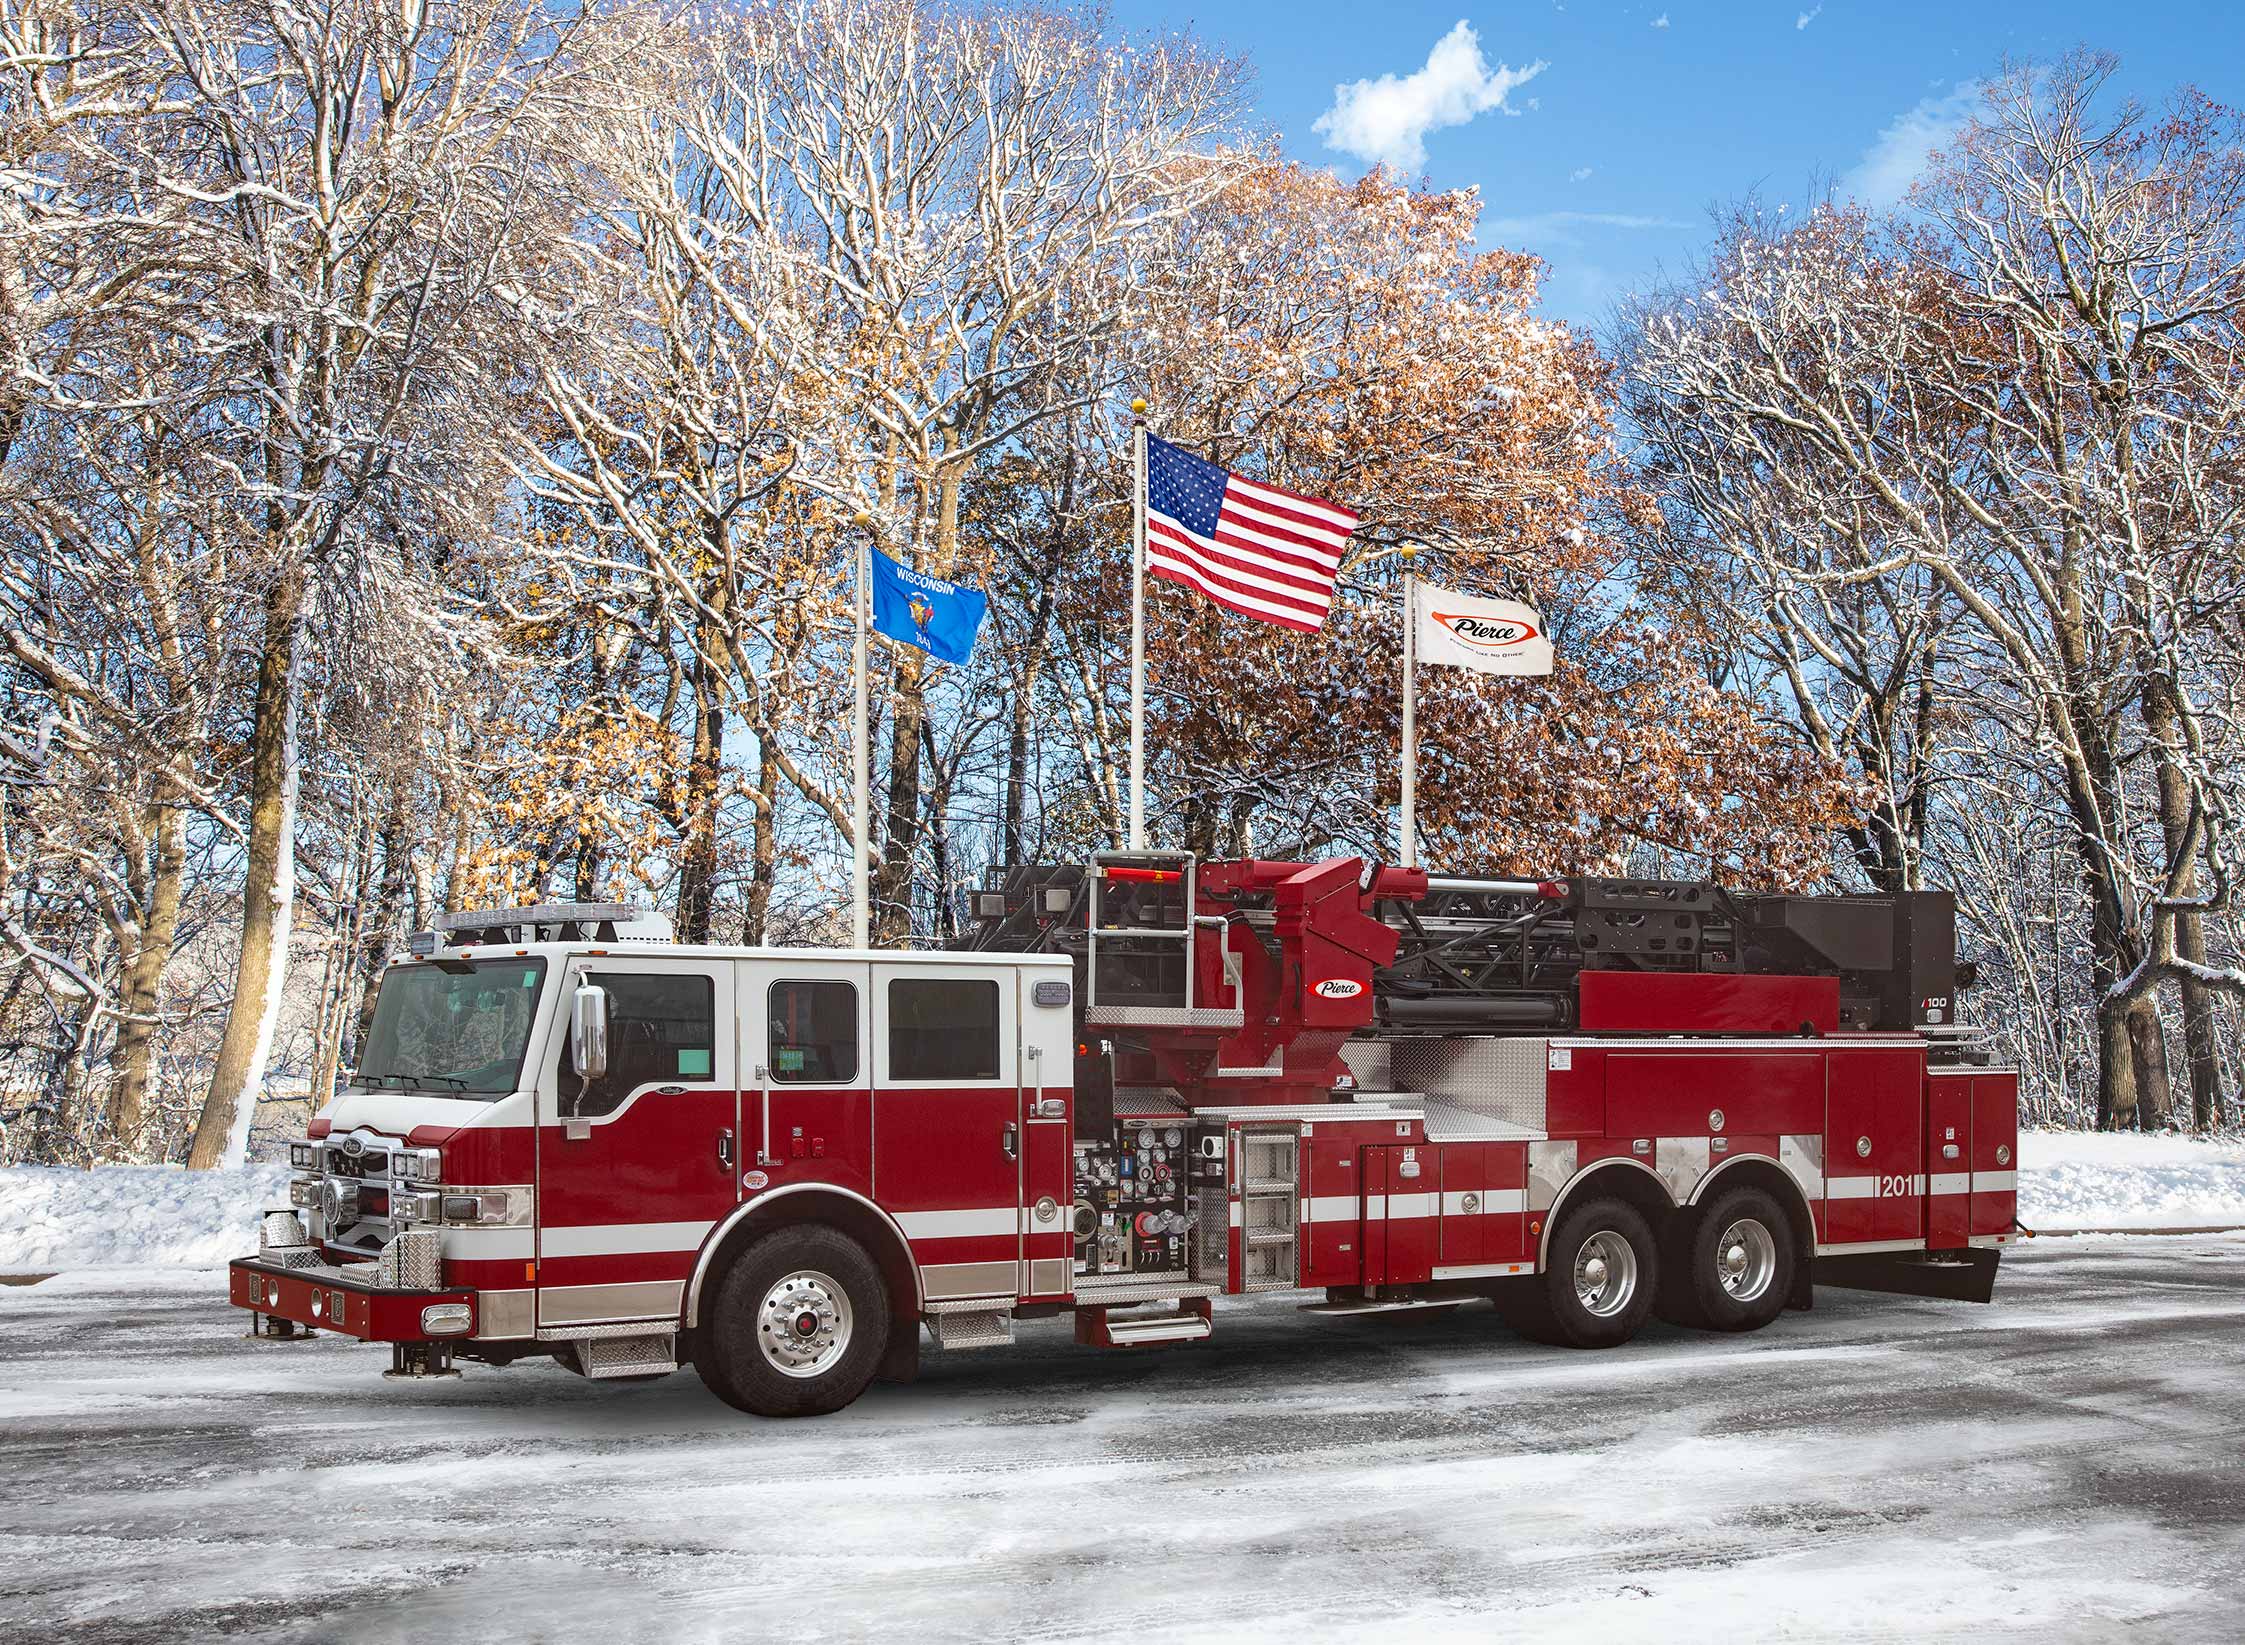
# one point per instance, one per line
(725, 1149)
(1012, 1140)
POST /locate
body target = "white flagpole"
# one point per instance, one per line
(1138, 626)
(1410, 708)
(861, 778)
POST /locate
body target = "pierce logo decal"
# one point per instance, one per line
(1486, 634)
(1338, 988)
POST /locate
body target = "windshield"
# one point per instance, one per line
(459, 1032)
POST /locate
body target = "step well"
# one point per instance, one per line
(1192, 1320)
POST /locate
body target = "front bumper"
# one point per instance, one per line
(344, 1299)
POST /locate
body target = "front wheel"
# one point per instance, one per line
(1597, 1286)
(800, 1325)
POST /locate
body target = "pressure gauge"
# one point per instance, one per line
(1173, 1137)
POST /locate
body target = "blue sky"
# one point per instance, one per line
(1606, 160)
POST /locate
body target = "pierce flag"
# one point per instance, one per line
(1492, 636)
(939, 617)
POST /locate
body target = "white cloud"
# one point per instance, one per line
(1808, 17)
(1561, 229)
(1661, 21)
(1890, 165)
(1581, 174)
(1386, 120)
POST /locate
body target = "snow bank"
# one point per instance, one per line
(2087, 1179)
(133, 1216)
(130, 1216)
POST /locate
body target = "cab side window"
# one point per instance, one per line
(943, 1028)
(662, 1030)
(813, 1033)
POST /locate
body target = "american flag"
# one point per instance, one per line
(1251, 548)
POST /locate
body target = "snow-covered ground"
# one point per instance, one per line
(123, 1216)
(2075, 1179)
(2059, 1466)
(119, 1216)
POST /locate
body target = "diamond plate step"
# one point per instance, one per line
(1131, 1288)
(971, 1328)
(641, 1356)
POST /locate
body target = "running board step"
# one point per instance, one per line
(653, 1355)
(1193, 1321)
(1398, 1305)
(983, 1327)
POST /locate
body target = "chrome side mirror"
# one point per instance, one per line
(588, 1032)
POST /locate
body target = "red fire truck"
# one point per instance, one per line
(1136, 1085)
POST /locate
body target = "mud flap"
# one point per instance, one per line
(900, 1360)
(1953, 1276)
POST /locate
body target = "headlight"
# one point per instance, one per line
(417, 1165)
(445, 1319)
(305, 1156)
(489, 1208)
(303, 1192)
(406, 1207)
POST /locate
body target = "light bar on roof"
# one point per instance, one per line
(544, 913)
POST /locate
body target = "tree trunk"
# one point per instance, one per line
(1024, 715)
(697, 862)
(2116, 1073)
(135, 1052)
(763, 850)
(389, 918)
(2201, 1041)
(2147, 1042)
(268, 889)
(892, 875)
(2202, 1046)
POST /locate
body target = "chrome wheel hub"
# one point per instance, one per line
(1605, 1274)
(803, 1326)
(1746, 1259)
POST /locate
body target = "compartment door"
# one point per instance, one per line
(1406, 1211)
(1948, 1160)
(1995, 1152)
(1874, 1149)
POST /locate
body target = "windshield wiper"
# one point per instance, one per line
(376, 1079)
(452, 1080)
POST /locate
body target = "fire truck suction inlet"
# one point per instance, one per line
(1135, 1085)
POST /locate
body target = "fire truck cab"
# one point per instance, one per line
(1140, 1084)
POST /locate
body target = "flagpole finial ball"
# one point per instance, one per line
(861, 519)
(1138, 408)
(1410, 551)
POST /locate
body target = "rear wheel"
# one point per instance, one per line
(1739, 1260)
(800, 1325)
(1597, 1285)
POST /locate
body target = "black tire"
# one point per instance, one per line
(776, 1302)
(1605, 1304)
(1740, 1259)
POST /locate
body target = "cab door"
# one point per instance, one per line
(807, 1101)
(948, 1121)
(636, 1167)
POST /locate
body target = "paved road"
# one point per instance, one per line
(2066, 1464)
